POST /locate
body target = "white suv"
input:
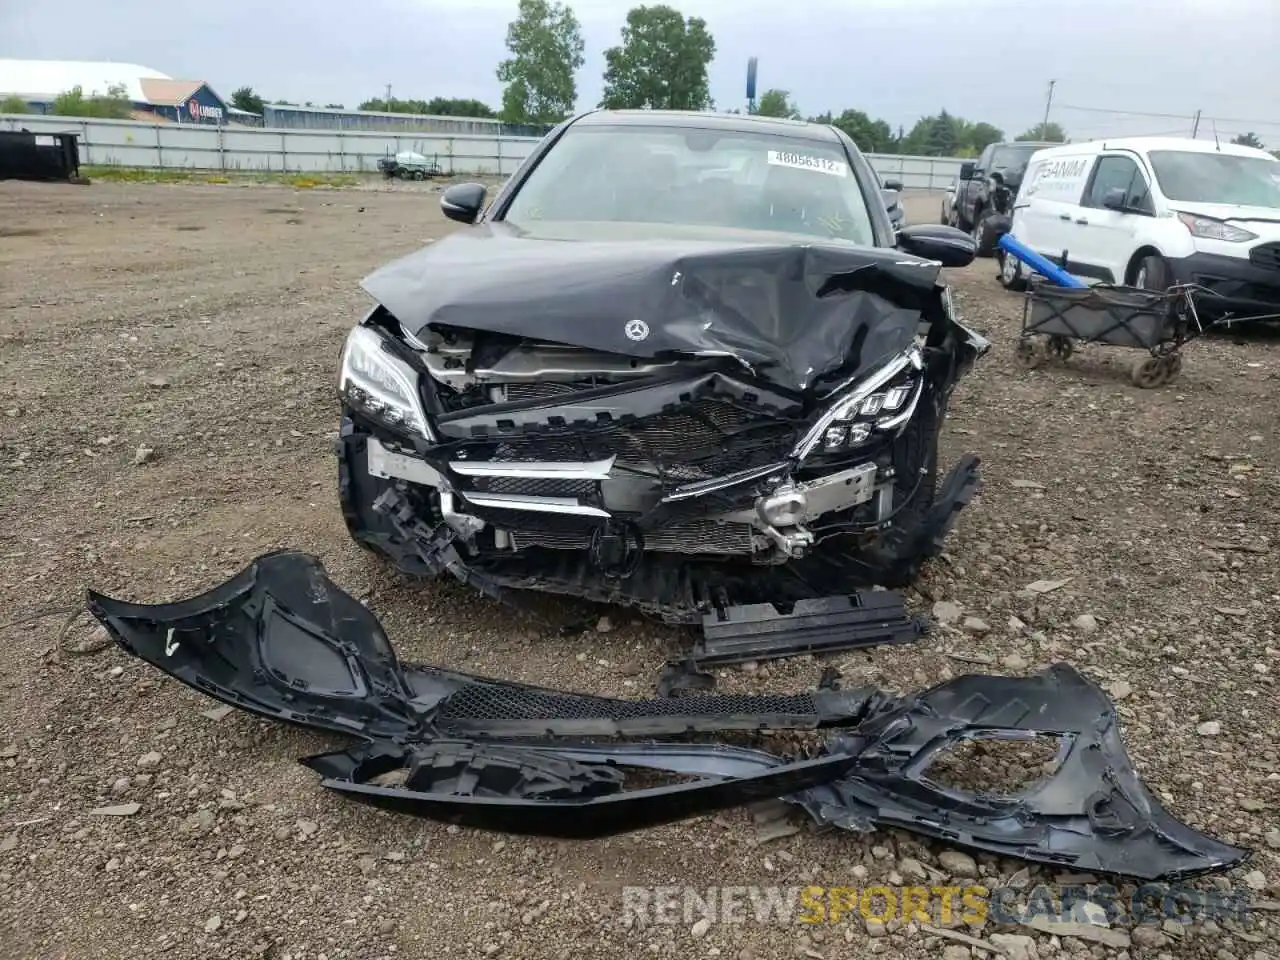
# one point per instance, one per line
(1155, 211)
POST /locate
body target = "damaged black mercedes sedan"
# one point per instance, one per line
(679, 361)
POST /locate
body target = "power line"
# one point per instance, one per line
(1167, 116)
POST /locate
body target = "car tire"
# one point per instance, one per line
(1153, 273)
(984, 237)
(1010, 274)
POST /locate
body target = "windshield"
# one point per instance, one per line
(1217, 178)
(1013, 159)
(699, 178)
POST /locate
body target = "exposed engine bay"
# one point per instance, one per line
(281, 640)
(769, 432)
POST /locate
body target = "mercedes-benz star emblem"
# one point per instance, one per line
(636, 330)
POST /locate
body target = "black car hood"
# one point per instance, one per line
(791, 309)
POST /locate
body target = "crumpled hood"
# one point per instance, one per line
(791, 310)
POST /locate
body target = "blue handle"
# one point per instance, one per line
(1041, 265)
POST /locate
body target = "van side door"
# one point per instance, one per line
(1116, 202)
(1048, 203)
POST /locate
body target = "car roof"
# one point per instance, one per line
(1146, 144)
(706, 120)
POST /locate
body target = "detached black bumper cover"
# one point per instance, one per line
(282, 640)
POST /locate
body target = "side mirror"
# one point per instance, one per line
(967, 168)
(1114, 198)
(932, 241)
(890, 197)
(892, 185)
(463, 201)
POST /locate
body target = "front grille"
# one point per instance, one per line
(706, 438)
(534, 486)
(693, 536)
(1266, 255)
(538, 390)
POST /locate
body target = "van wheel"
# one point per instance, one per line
(1010, 275)
(1153, 274)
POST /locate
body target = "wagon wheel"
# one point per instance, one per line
(1149, 372)
(1028, 354)
(1060, 348)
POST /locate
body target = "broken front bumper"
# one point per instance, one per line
(778, 519)
(282, 640)
(381, 491)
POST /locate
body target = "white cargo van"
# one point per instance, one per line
(1154, 211)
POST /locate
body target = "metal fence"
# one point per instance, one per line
(128, 143)
(374, 121)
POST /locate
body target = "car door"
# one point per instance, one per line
(1103, 239)
(1047, 204)
(973, 189)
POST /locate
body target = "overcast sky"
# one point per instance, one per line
(896, 59)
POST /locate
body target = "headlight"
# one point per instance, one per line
(380, 384)
(1207, 228)
(883, 401)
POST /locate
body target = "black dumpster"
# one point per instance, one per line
(39, 156)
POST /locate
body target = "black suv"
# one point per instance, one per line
(986, 190)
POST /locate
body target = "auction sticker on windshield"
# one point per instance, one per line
(805, 161)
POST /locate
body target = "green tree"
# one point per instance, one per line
(979, 136)
(13, 104)
(244, 98)
(661, 63)
(945, 135)
(112, 105)
(777, 103)
(546, 47)
(436, 106)
(1046, 132)
(1247, 140)
(871, 136)
(334, 106)
(457, 107)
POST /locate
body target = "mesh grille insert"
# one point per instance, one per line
(535, 486)
(482, 701)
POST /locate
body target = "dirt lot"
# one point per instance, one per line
(197, 328)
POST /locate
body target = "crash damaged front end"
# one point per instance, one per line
(766, 432)
(281, 640)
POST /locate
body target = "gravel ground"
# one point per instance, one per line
(167, 360)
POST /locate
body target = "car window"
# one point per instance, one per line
(1011, 160)
(1119, 173)
(1197, 177)
(694, 177)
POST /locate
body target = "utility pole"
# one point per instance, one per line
(1195, 126)
(387, 101)
(1044, 126)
